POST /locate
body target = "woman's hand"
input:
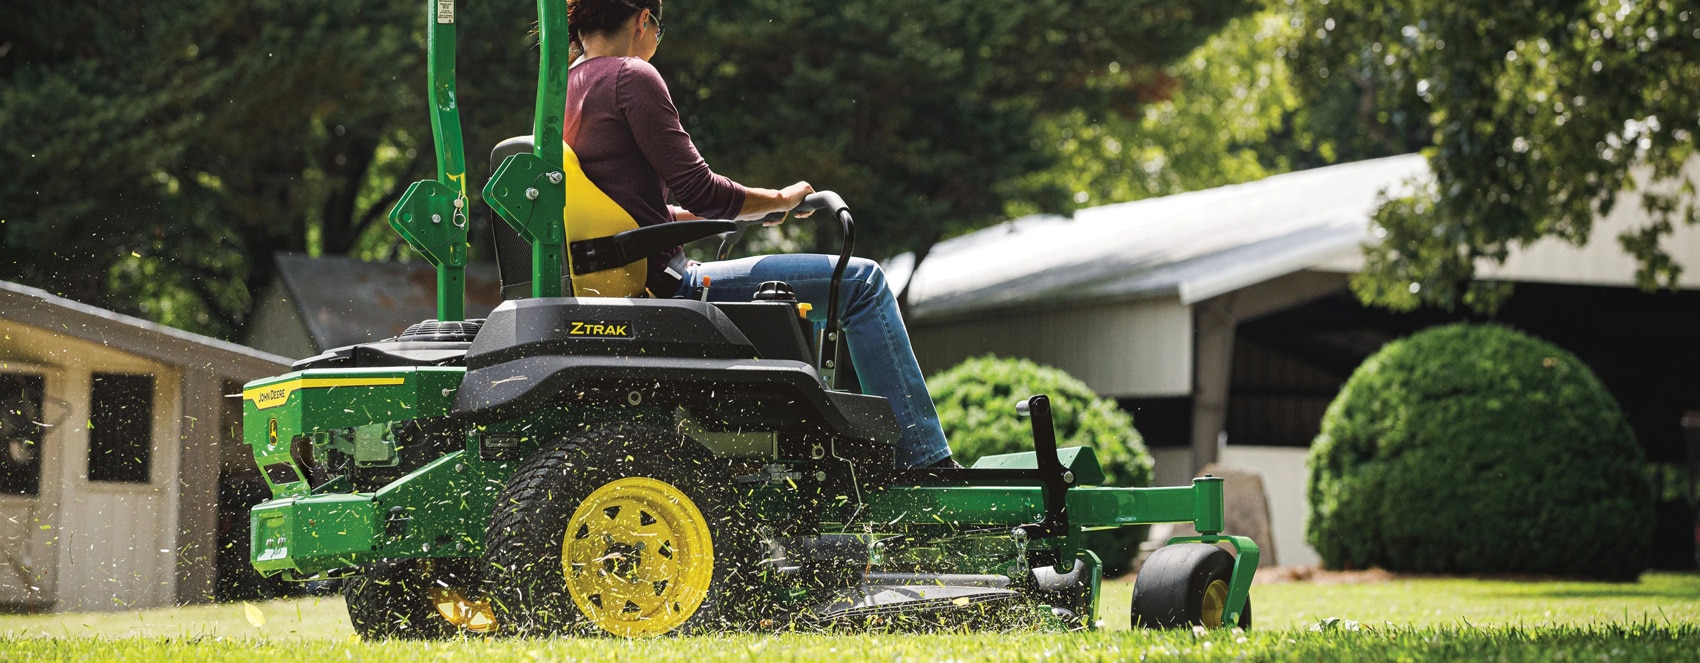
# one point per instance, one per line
(759, 203)
(793, 196)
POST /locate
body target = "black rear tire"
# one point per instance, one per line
(392, 600)
(524, 546)
(1185, 585)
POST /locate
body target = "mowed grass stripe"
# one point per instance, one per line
(1610, 642)
(1655, 619)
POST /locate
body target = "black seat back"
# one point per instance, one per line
(513, 254)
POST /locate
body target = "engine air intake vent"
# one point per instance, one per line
(442, 330)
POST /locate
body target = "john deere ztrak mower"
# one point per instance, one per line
(642, 466)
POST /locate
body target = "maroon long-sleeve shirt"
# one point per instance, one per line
(621, 122)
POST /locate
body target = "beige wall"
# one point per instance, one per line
(1125, 350)
(1283, 472)
(111, 544)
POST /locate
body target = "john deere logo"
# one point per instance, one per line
(278, 393)
(271, 432)
(271, 397)
(600, 329)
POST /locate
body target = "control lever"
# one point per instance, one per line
(731, 239)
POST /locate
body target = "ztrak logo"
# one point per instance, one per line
(600, 329)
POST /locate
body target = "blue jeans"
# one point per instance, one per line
(879, 343)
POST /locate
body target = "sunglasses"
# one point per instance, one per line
(659, 29)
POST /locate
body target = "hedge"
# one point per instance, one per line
(976, 403)
(1478, 449)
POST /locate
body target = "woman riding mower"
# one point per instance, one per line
(621, 122)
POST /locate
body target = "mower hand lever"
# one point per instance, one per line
(830, 336)
(815, 201)
(820, 200)
(731, 239)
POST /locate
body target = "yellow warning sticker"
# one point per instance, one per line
(274, 395)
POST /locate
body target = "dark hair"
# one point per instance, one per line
(598, 16)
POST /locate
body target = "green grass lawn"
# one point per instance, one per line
(1656, 619)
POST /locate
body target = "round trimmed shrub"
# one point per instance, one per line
(976, 403)
(1478, 449)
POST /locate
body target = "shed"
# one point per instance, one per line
(112, 430)
(1222, 318)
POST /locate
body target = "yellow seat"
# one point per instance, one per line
(591, 214)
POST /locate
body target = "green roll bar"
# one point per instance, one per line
(526, 190)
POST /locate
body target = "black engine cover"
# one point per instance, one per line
(569, 326)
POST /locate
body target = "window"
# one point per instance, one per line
(21, 433)
(120, 427)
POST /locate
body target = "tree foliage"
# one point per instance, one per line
(926, 116)
(1540, 114)
(1231, 112)
(160, 153)
(1478, 449)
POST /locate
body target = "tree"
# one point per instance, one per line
(926, 116)
(1540, 114)
(160, 153)
(1231, 113)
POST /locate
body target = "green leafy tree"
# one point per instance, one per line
(1231, 112)
(158, 154)
(1540, 115)
(1478, 449)
(925, 115)
(976, 404)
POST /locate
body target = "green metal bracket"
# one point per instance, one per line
(1245, 565)
(432, 218)
(1082, 461)
(528, 193)
(1095, 570)
(431, 215)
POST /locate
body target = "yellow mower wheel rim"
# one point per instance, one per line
(1215, 604)
(637, 557)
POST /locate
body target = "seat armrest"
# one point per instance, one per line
(595, 255)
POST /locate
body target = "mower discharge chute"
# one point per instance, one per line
(642, 466)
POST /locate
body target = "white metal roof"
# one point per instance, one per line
(1193, 245)
(39, 308)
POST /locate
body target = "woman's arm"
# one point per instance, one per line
(643, 99)
(649, 110)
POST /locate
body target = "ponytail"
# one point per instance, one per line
(599, 16)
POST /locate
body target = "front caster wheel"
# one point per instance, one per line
(1186, 585)
(415, 599)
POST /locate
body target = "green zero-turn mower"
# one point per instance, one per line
(642, 466)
